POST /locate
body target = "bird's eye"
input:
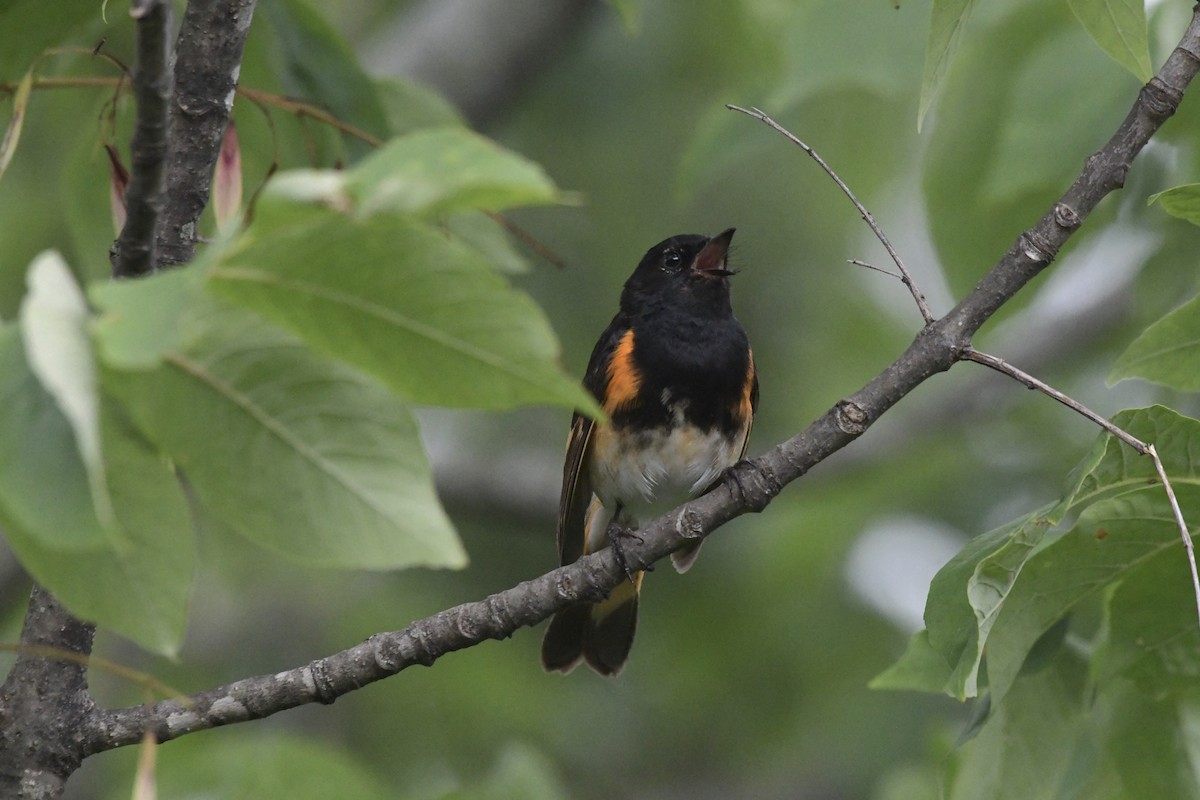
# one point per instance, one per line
(672, 259)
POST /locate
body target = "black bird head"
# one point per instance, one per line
(686, 269)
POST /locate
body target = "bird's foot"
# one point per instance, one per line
(617, 534)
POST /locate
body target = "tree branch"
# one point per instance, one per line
(749, 487)
(42, 703)
(208, 60)
(133, 253)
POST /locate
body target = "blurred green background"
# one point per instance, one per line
(749, 675)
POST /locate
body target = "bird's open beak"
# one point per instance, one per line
(710, 261)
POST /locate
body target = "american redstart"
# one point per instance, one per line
(675, 375)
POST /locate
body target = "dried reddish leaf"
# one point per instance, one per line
(117, 184)
(227, 181)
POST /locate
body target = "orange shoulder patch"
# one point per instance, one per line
(748, 399)
(624, 380)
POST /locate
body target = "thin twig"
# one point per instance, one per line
(1002, 366)
(303, 109)
(143, 679)
(905, 278)
(889, 273)
(549, 256)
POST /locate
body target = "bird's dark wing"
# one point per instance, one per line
(576, 487)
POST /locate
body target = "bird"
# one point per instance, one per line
(675, 375)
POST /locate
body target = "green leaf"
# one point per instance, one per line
(410, 106)
(397, 299)
(1110, 539)
(1005, 148)
(438, 170)
(946, 24)
(54, 317)
(139, 321)
(985, 590)
(966, 594)
(1151, 633)
(920, 668)
(140, 587)
(1026, 747)
(45, 496)
(1119, 27)
(489, 238)
(1180, 201)
(296, 453)
(314, 64)
(1151, 743)
(1167, 352)
(271, 765)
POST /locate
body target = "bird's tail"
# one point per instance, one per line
(599, 633)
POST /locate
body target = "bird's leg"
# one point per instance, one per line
(617, 533)
(732, 471)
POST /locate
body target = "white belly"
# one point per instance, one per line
(648, 475)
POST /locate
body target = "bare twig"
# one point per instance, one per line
(133, 253)
(303, 109)
(856, 262)
(1003, 367)
(906, 279)
(143, 679)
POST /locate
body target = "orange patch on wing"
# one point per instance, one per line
(746, 403)
(624, 379)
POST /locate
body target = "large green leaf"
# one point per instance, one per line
(45, 495)
(297, 453)
(1024, 752)
(1168, 352)
(139, 587)
(410, 106)
(437, 170)
(54, 317)
(1014, 139)
(1119, 27)
(396, 298)
(1151, 634)
(964, 598)
(1111, 539)
(1008, 587)
(946, 24)
(920, 668)
(429, 173)
(139, 320)
(314, 64)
